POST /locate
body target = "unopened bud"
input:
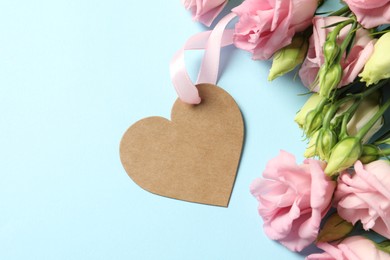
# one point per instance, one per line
(326, 141)
(310, 105)
(311, 149)
(331, 51)
(313, 122)
(370, 153)
(287, 58)
(344, 154)
(329, 78)
(335, 228)
(378, 65)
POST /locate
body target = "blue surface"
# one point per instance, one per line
(74, 75)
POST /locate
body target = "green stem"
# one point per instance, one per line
(351, 111)
(374, 88)
(343, 131)
(321, 105)
(380, 32)
(348, 39)
(333, 109)
(335, 32)
(373, 120)
(347, 117)
(340, 12)
(384, 139)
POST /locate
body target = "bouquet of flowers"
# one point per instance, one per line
(344, 184)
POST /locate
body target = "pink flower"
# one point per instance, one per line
(370, 13)
(266, 26)
(352, 65)
(365, 196)
(204, 11)
(293, 199)
(351, 248)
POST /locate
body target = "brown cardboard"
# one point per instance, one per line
(194, 157)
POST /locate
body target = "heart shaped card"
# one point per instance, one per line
(195, 156)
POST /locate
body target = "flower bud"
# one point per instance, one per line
(344, 154)
(370, 153)
(331, 50)
(378, 65)
(311, 149)
(310, 104)
(313, 122)
(335, 228)
(326, 141)
(287, 58)
(329, 77)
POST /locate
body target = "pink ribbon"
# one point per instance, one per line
(212, 42)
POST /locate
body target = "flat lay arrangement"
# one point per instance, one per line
(344, 184)
(195, 129)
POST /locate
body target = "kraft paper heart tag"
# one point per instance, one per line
(195, 156)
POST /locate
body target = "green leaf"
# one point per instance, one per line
(335, 228)
(322, 13)
(350, 45)
(333, 24)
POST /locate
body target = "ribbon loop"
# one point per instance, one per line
(212, 42)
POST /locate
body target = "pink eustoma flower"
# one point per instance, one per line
(364, 196)
(266, 26)
(204, 11)
(293, 199)
(370, 13)
(351, 248)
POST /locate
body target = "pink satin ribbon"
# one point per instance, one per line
(212, 42)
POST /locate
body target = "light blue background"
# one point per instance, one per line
(74, 75)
